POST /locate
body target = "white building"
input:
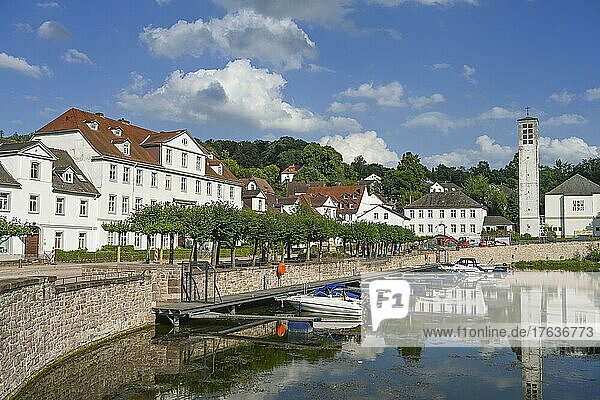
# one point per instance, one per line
(287, 175)
(383, 213)
(352, 201)
(258, 195)
(446, 213)
(573, 208)
(130, 167)
(325, 206)
(441, 187)
(44, 188)
(529, 176)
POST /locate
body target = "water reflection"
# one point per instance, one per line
(251, 361)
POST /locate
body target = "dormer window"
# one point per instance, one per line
(116, 131)
(93, 125)
(251, 186)
(126, 148)
(68, 176)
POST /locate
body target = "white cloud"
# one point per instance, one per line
(469, 73)
(566, 119)
(486, 149)
(562, 97)
(74, 56)
(572, 149)
(53, 31)
(592, 94)
(368, 144)
(394, 34)
(499, 113)
(392, 3)
(438, 66)
(318, 68)
(22, 66)
(23, 27)
(238, 93)
(424, 101)
(337, 107)
(384, 95)
(245, 34)
(48, 4)
(438, 121)
(162, 2)
(324, 12)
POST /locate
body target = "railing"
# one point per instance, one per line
(189, 286)
(99, 277)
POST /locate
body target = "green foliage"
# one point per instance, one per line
(562, 265)
(309, 174)
(12, 228)
(407, 182)
(117, 226)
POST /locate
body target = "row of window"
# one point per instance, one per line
(59, 237)
(385, 215)
(34, 204)
(453, 228)
(184, 159)
(441, 213)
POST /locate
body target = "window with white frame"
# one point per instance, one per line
(421, 213)
(34, 172)
(126, 148)
(453, 228)
(472, 228)
(472, 213)
(137, 239)
(209, 188)
(219, 190)
(463, 214)
(112, 173)
(184, 160)
(411, 214)
(167, 182)
(463, 228)
(138, 203)
(231, 192)
(184, 141)
(125, 205)
(4, 201)
(421, 229)
(112, 203)
(183, 184)
(125, 174)
(169, 156)
(153, 202)
(199, 163)
(34, 203)
(452, 213)
(81, 242)
(68, 176)
(375, 215)
(124, 239)
(60, 206)
(442, 213)
(154, 180)
(429, 213)
(110, 238)
(578, 205)
(386, 215)
(430, 228)
(139, 177)
(83, 208)
(198, 186)
(58, 240)
(412, 227)
(152, 241)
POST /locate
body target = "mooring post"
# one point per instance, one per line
(206, 283)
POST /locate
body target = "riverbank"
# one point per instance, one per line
(572, 265)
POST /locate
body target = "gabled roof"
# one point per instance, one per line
(338, 192)
(496, 220)
(79, 186)
(10, 147)
(162, 137)
(576, 185)
(292, 169)
(386, 208)
(6, 179)
(261, 183)
(227, 174)
(435, 200)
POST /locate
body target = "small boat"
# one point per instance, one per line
(470, 265)
(330, 300)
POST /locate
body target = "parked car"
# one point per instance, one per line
(483, 243)
(464, 243)
(499, 243)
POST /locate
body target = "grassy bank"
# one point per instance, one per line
(560, 265)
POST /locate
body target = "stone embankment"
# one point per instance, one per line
(40, 321)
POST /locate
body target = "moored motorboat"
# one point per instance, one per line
(470, 265)
(333, 299)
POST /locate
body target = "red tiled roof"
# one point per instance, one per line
(292, 169)
(338, 192)
(161, 137)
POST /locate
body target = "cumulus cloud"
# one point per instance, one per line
(53, 31)
(318, 68)
(444, 123)
(337, 107)
(499, 113)
(566, 119)
(162, 2)
(21, 65)
(368, 144)
(563, 97)
(592, 94)
(572, 149)
(392, 3)
(238, 93)
(438, 66)
(486, 149)
(324, 12)
(244, 34)
(469, 74)
(48, 4)
(384, 95)
(74, 56)
(23, 27)
(424, 101)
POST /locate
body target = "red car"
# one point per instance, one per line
(483, 244)
(464, 244)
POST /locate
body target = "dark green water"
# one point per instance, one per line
(257, 364)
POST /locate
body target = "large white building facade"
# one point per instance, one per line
(127, 167)
(529, 176)
(573, 208)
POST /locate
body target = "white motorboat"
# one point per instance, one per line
(470, 265)
(329, 300)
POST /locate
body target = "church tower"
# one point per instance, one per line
(529, 176)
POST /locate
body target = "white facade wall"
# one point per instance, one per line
(286, 177)
(529, 177)
(381, 215)
(570, 214)
(467, 222)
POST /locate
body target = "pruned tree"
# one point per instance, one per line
(118, 227)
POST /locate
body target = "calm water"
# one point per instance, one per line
(255, 363)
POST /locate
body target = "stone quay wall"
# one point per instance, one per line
(42, 322)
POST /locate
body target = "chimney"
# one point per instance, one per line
(123, 120)
(100, 114)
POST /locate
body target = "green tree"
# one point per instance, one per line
(118, 227)
(309, 174)
(12, 228)
(477, 188)
(407, 182)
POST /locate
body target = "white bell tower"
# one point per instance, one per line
(529, 176)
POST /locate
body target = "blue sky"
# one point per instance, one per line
(445, 79)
